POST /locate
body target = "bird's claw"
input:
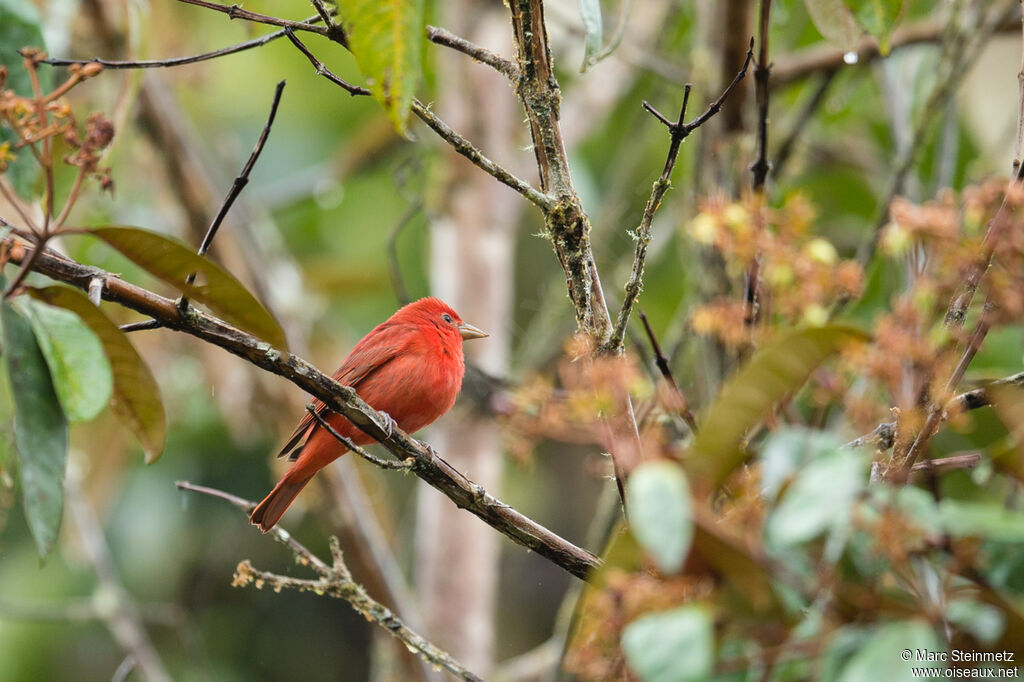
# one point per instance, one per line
(428, 447)
(389, 424)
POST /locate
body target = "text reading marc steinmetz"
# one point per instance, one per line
(1006, 659)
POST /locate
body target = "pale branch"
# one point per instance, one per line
(334, 580)
(884, 435)
(341, 399)
(678, 130)
(456, 141)
(825, 58)
(236, 12)
(504, 66)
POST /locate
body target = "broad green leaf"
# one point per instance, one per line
(386, 38)
(171, 261)
(40, 429)
(877, 17)
(590, 12)
(658, 500)
(983, 621)
(787, 451)
(773, 372)
(670, 646)
(988, 521)
(136, 396)
(19, 27)
(835, 22)
(820, 498)
(78, 366)
(884, 654)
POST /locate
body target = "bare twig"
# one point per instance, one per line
(236, 12)
(348, 443)
(662, 362)
(397, 281)
(762, 72)
(679, 130)
(884, 435)
(334, 580)
(456, 141)
(342, 399)
(813, 103)
(441, 36)
(173, 61)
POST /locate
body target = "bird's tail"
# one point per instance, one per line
(268, 512)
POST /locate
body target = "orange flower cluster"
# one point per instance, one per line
(801, 275)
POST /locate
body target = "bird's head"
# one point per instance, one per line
(435, 312)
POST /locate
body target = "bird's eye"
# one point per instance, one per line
(447, 318)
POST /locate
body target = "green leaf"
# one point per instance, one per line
(670, 646)
(820, 498)
(136, 396)
(658, 499)
(787, 451)
(989, 521)
(1008, 404)
(882, 655)
(590, 12)
(877, 17)
(171, 261)
(40, 429)
(19, 27)
(772, 373)
(835, 22)
(386, 37)
(78, 366)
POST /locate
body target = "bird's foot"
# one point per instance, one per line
(389, 424)
(429, 448)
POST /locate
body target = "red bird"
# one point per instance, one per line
(409, 366)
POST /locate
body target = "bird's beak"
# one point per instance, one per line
(468, 331)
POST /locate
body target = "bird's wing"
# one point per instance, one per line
(376, 349)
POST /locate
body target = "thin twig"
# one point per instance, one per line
(397, 281)
(762, 72)
(662, 362)
(334, 580)
(173, 61)
(678, 131)
(456, 141)
(812, 105)
(441, 36)
(350, 444)
(342, 399)
(236, 12)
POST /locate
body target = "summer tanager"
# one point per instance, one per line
(409, 367)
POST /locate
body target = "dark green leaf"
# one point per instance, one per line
(172, 262)
(136, 398)
(658, 499)
(882, 655)
(590, 12)
(772, 373)
(1008, 404)
(386, 38)
(19, 27)
(78, 366)
(40, 429)
(670, 646)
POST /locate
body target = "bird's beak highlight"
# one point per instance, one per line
(468, 331)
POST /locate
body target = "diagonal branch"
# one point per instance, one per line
(504, 66)
(678, 130)
(456, 141)
(334, 580)
(236, 12)
(341, 399)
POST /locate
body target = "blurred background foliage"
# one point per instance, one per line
(311, 238)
